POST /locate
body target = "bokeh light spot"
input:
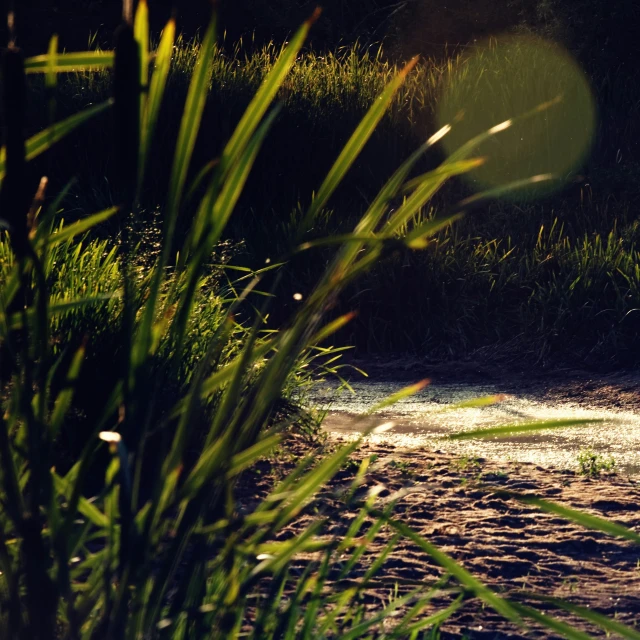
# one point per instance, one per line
(494, 88)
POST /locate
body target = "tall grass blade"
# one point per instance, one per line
(58, 309)
(507, 189)
(63, 401)
(265, 95)
(525, 427)
(428, 186)
(476, 403)
(609, 625)
(189, 127)
(396, 397)
(82, 226)
(558, 626)
(212, 219)
(86, 508)
(40, 142)
(141, 34)
(465, 578)
(355, 145)
(579, 517)
(70, 62)
(156, 90)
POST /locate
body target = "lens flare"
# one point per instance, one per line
(534, 105)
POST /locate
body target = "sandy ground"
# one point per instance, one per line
(456, 504)
(459, 505)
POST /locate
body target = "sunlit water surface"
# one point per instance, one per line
(424, 421)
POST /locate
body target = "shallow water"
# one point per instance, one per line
(423, 420)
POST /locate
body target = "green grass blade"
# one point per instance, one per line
(525, 427)
(156, 90)
(65, 397)
(210, 461)
(344, 239)
(215, 218)
(405, 392)
(579, 517)
(503, 190)
(358, 630)
(379, 206)
(418, 238)
(604, 622)
(429, 184)
(447, 169)
(469, 147)
(50, 74)
(86, 508)
(558, 626)
(435, 619)
(331, 328)
(246, 458)
(221, 377)
(141, 34)
(309, 484)
(265, 95)
(59, 308)
(287, 550)
(476, 403)
(413, 240)
(211, 221)
(200, 177)
(70, 231)
(375, 212)
(355, 145)
(70, 62)
(42, 141)
(465, 578)
(189, 126)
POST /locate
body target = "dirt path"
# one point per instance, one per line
(457, 505)
(620, 389)
(513, 548)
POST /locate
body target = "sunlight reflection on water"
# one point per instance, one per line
(424, 421)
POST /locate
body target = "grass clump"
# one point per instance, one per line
(591, 463)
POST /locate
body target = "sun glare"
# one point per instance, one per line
(534, 100)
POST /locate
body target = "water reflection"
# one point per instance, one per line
(424, 421)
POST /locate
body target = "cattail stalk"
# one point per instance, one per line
(15, 197)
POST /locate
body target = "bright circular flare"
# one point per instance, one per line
(493, 89)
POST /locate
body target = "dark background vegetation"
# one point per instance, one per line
(544, 298)
(602, 33)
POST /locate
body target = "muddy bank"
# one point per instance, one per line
(456, 504)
